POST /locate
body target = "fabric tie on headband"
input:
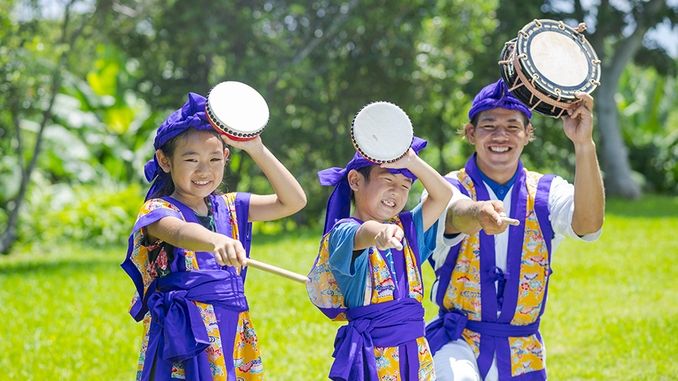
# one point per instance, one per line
(190, 115)
(339, 203)
(494, 96)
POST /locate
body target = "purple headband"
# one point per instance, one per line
(339, 203)
(496, 95)
(191, 115)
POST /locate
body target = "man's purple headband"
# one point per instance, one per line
(339, 203)
(190, 115)
(494, 96)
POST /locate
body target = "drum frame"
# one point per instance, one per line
(526, 83)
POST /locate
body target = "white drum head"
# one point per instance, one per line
(382, 132)
(237, 109)
(559, 58)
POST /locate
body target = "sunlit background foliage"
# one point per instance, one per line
(84, 85)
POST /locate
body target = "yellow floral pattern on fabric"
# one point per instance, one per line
(246, 356)
(144, 344)
(388, 366)
(463, 292)
(324, 292)
(322, 287)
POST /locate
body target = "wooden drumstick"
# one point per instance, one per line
(510, 221)
(277, 271)
(396, 243)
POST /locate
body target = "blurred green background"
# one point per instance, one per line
(84, 85)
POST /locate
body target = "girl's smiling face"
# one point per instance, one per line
(196, 167)
(380, 197)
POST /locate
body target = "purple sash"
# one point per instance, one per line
(178, 320)
(397, 323)
(494, 330)
(177, 331)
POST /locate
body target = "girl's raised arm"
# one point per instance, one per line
(288, 198)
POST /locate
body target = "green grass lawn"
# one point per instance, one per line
(612, 310)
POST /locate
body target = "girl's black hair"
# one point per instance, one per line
(168, 150)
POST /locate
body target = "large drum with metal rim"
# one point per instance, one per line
(547, 63)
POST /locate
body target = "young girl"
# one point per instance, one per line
(368, 270)
(188, 250)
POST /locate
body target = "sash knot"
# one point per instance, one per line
(391, 324)
(184, 332)
(448, 327)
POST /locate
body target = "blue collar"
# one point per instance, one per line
(499, 190)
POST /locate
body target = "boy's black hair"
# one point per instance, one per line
(365, 171)
(168, 150)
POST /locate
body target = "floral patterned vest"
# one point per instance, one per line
(467, 282)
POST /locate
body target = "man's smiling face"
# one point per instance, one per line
(499, 137)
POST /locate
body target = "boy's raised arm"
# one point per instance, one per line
(439, 190)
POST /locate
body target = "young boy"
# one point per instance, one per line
(368, 269)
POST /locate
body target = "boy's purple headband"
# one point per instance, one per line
(496, 95)
(339, 203)
(191, 115)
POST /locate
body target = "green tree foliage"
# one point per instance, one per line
(37, 55)
(123, 66)
(649, 122)
(617, 31)
(55, 130)
(316, 63)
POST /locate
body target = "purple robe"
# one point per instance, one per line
(397, 323)
(177, 332)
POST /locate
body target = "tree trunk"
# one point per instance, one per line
(615, 159)
(9, 235)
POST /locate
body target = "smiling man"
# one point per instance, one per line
(492, 282)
